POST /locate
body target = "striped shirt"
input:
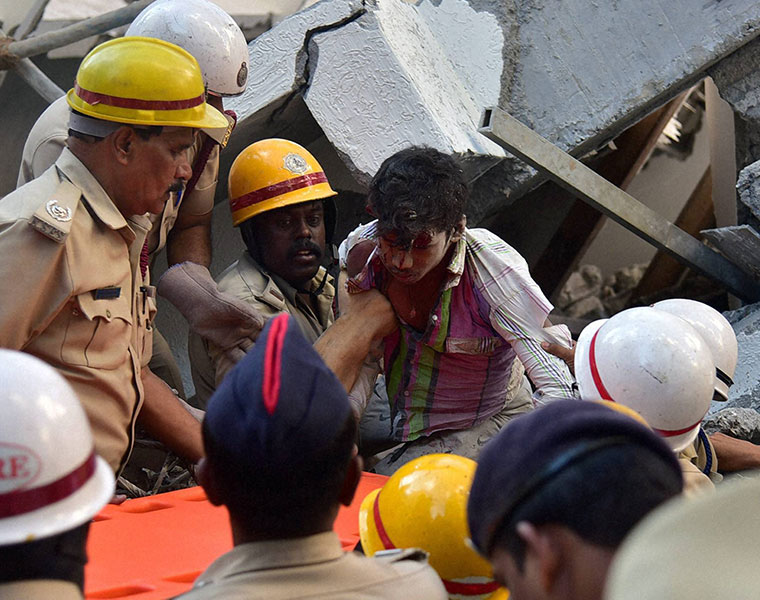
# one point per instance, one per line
(455, 373)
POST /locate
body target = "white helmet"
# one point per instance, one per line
(206, 32)
(654, 363)
(51, 480)
(716, 331)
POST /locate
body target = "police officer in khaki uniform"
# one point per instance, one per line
(73, 293)
(184, 225)
(280, 447)
(280, 200)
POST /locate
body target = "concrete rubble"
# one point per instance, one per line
(373, 76)
(586, 295)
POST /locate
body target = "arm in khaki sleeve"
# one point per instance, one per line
(164, 417)
(365, 319)
(190, 240)
(35, 285)
(219, 317)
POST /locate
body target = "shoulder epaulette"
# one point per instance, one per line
(53, 219)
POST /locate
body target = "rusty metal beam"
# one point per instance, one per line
(609, 199)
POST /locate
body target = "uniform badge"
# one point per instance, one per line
(59, 213)
(295, 163)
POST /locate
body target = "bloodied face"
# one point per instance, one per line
(410, 261)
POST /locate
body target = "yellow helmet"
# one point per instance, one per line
(273, 173)
(143, 81)
(423, 505)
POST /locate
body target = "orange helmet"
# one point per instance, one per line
(273, 173)
(424, 505)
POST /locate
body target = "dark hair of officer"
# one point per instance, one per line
(277, 503)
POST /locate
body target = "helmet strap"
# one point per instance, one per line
(94, 127)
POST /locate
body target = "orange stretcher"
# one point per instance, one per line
(155, 547)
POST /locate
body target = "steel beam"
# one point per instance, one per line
(574, 176)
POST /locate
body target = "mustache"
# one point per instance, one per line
(177, 186)
(305, 244)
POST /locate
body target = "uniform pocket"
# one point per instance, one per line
(98, 332)
(474, 345)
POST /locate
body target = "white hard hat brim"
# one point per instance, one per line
(66, 514)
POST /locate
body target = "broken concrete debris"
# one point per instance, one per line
(587, 295)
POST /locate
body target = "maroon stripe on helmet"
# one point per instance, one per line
(606, 395)
(382, 534)
(470, 589)
(277, 189)
(98, 98)
(273, 363)
(674, 432)
(19, 502)
(595, 371)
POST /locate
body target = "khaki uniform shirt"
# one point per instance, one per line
(40, 589)
(314, 567)
(72, 295)
(693, 460)
(47, 139)
(270, 295)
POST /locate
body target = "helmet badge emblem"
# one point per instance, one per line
(19, 466)
(242, 75)
(295, 163)
(59, 213)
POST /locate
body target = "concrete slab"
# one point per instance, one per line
(378, 75)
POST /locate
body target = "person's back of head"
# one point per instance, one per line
(563, 486)
(280, 437)
(51, 481)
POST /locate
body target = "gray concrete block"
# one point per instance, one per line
(748, 193)
(379, 75)
(745, 393)
(741, 423)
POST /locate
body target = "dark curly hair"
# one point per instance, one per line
(418, 189)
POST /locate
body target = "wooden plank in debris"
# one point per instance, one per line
(740, 243)
(582, 223)
(573, 175)
(697, 214)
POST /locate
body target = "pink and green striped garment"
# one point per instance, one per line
(455, 374)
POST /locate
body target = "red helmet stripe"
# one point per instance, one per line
(273, 362)
(606, 395)
(387, 543)
(97, 98)
(19, 502)
(675, 432)
(277, 189)
(470, 589)
(595, 371)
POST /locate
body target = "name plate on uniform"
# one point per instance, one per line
(108, 293)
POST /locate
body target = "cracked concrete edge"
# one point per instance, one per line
(391, 85)
(274, 73)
